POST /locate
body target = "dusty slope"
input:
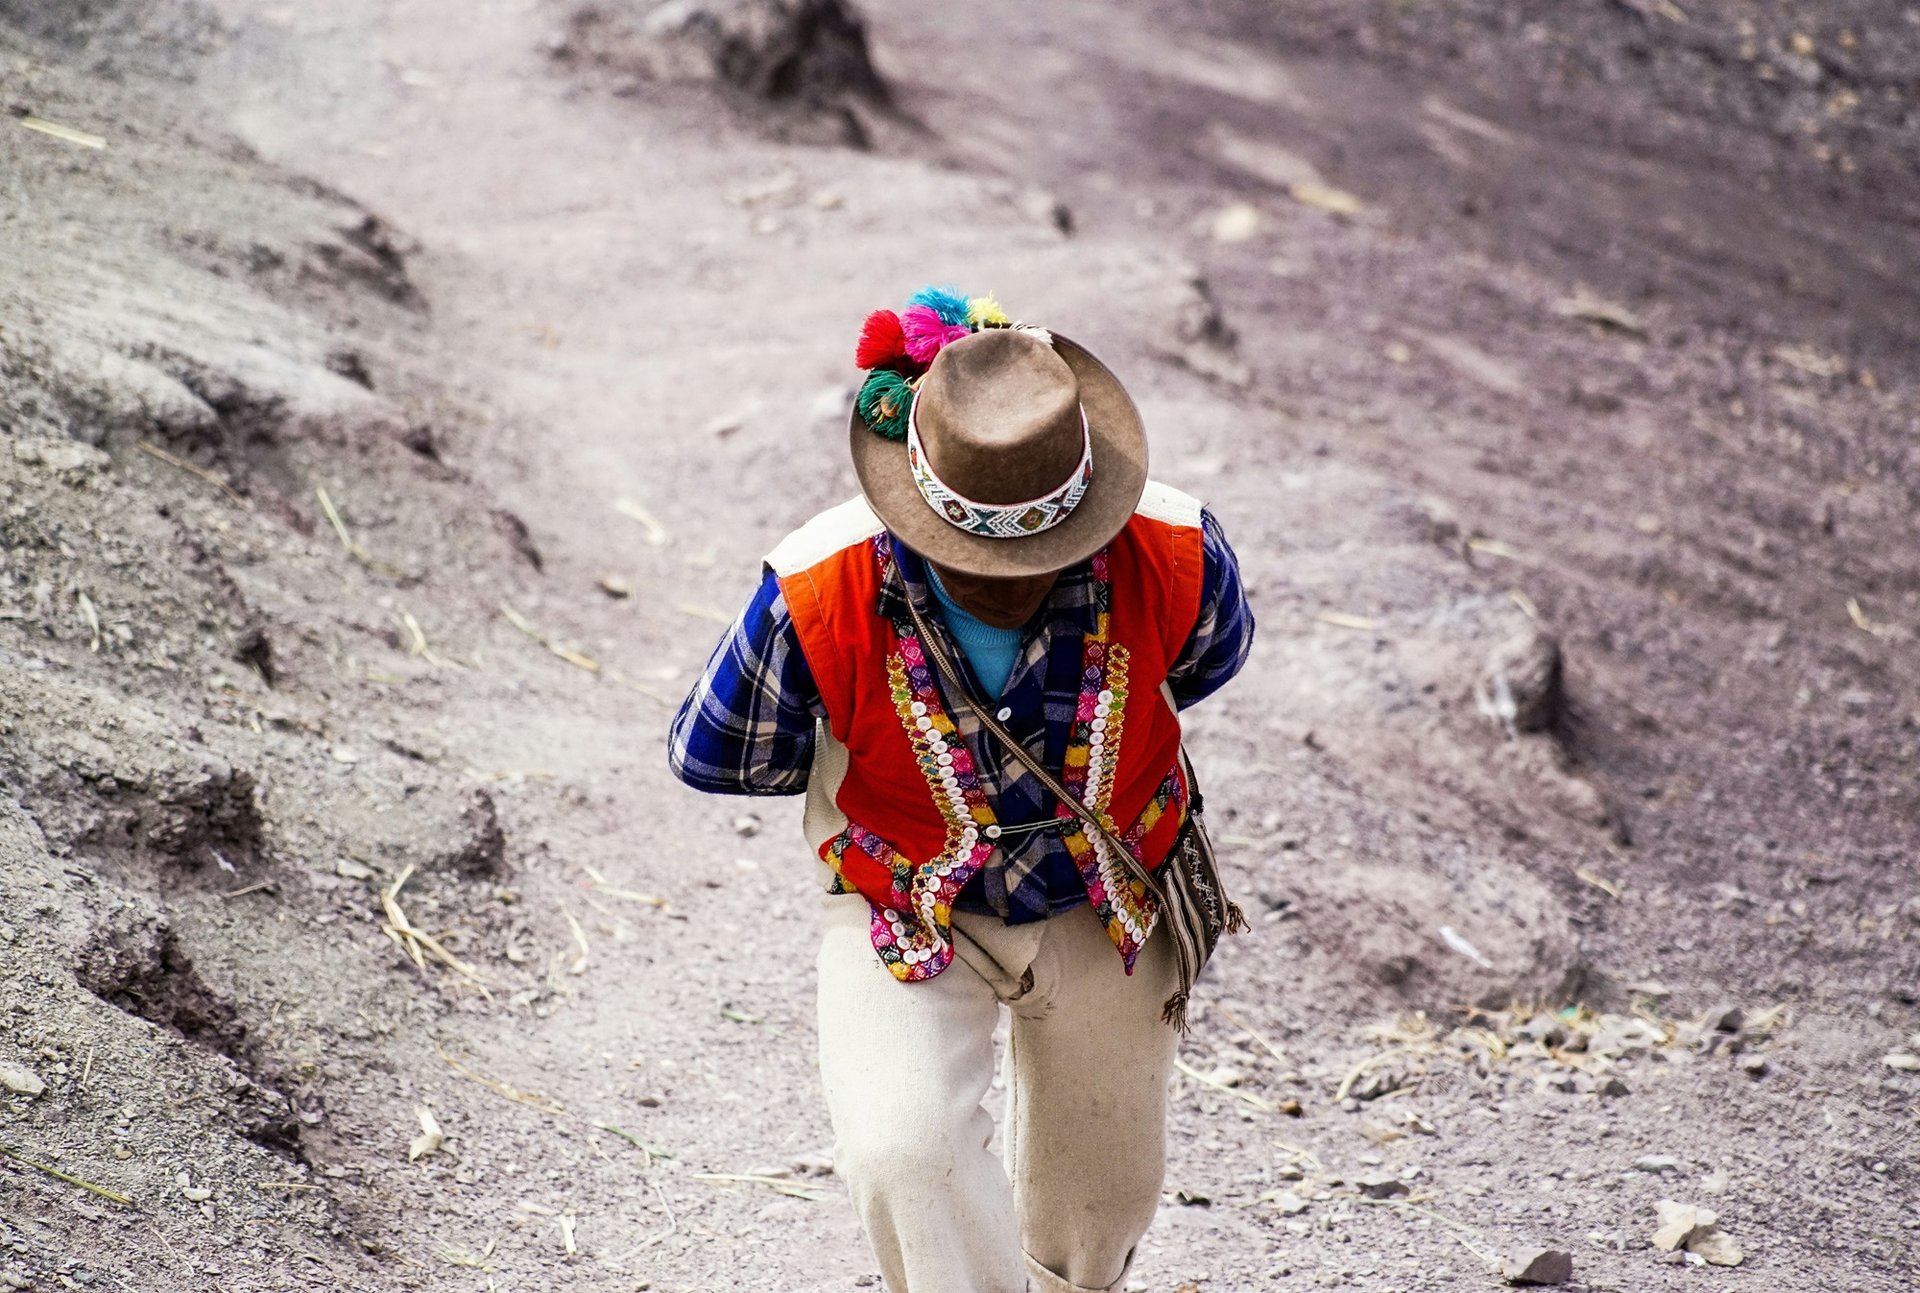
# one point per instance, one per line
(617, 308)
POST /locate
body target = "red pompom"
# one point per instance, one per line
(881, 340)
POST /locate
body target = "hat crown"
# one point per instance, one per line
(998, 417)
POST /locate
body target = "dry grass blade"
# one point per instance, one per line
(525, 625)
(417, 644)
(68, 134)
(651, 693)
(1251, 1031)
(1361, 1069)
(579, 965)
(650, 1150)
(811, 1193)
(1495, 548)
(90, 617)
(600, 885)
(415, 939)
(461, 1257)
(1859, 618)
(257, 887)
(111, 1196)
(1342, 620)
(348, 543)
(656, 533)
(1600, 882)
(533, 1099)
(192, 469)
(1525, 603)
(1304, 1155)
(699, 611)
(1327, 198)
(1248, 1096)
(283, 1185)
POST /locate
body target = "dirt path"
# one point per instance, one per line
(1420, 449)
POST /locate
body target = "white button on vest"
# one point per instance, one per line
(1005, 714)
(993, 832)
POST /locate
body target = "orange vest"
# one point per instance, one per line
(897, 810)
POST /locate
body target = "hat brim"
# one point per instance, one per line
(1119, 479)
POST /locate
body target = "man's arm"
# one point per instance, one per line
(1223, 633)
(747, 726)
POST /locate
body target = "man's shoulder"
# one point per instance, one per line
(832, 531)
(1169, 506)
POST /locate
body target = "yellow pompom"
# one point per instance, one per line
(985, 312)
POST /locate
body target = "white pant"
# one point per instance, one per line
(906, 1067)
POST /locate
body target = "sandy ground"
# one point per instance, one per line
(1480, 337)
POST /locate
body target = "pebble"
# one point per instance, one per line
(1904, 1062)
(746, 825)
(1715, 1247)
(1380, 1186)
(1539, 1266)
(196, 1194)
(1657, 1163)
(1291, 1205)
(21, 1081)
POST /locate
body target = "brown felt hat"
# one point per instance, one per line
(998, 417)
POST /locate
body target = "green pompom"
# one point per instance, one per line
(883, 402)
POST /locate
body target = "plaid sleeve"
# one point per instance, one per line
(747, 726)
(1223, 633)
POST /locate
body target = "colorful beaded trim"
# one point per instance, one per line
(1093, 749)
(991, 520)
(913, 933)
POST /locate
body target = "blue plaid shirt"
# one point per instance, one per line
(748, 726)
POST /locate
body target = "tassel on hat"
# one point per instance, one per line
(895, 350)
(883, 402)
(881, 340)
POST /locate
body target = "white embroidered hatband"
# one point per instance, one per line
(999, 520)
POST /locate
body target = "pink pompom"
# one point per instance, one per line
(926, 332)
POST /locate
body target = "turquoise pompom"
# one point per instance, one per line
(883, 403)
(943, 301)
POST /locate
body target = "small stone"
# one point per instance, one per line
(196, 1194)
(1236, 222)
(1381, 1186)
(1904, 1062)
(746, 825)
(21, 1081)
(1678, 1221)
(1225, 1076)
(1657, 1163)
(352, 870)
(1611, 1087)
(1754, 1065)
(1291, 1205)
(615, 587)
(1715, 1247)
(342, 754)
(1726, 1019)
(1714, 1183)
(1540, 1266)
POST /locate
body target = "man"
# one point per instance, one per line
(1006, 509)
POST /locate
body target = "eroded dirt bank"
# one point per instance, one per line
(398, 399)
